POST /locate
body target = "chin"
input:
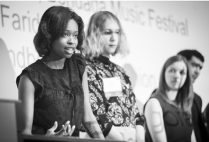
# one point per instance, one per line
(112, 52)
(194, 78)
(68, 56)
(175, 88)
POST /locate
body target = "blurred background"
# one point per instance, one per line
(155, 31)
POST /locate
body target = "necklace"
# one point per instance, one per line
(53, 65)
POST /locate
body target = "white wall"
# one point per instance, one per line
(155, 31)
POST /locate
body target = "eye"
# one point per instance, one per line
(193, 64)
(107, 32)
(182, 72)
(66, 34)
(118, 32)
(196, 65)
(75, 35)
(172, 70)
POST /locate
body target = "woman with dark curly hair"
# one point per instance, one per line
(51, 88)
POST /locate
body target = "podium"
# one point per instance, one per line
(41, 138)
(8, 97)
(8, 131)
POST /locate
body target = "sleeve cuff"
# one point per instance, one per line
(140, 120)
(107, 129)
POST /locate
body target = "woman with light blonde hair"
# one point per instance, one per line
(111, 95)
(94, 43)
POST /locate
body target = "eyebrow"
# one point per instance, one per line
(196, 64)
(111, 29)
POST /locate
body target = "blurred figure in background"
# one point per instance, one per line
(206, 117)
(168, 111)
(196, 60)
(111, 96)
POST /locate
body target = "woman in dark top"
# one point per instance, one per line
(168, 111)
(111, 95)
(51, 89)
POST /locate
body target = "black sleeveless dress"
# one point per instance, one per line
(178, 125)
(58, 94)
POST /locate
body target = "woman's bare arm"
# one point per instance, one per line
(154, 120)
(25, 108)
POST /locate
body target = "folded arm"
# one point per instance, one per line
(90, 123)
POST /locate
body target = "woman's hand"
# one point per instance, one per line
(115, 133)
(66, 130)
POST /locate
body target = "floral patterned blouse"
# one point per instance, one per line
(119, 110)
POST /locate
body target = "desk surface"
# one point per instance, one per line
(41, 138)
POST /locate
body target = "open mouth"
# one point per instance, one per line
(69, 50)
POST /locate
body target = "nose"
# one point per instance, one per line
(177, 75)
(70, 40)
(197, 70)
(113, 37)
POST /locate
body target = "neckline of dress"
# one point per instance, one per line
(48, 67)
(103, 59)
